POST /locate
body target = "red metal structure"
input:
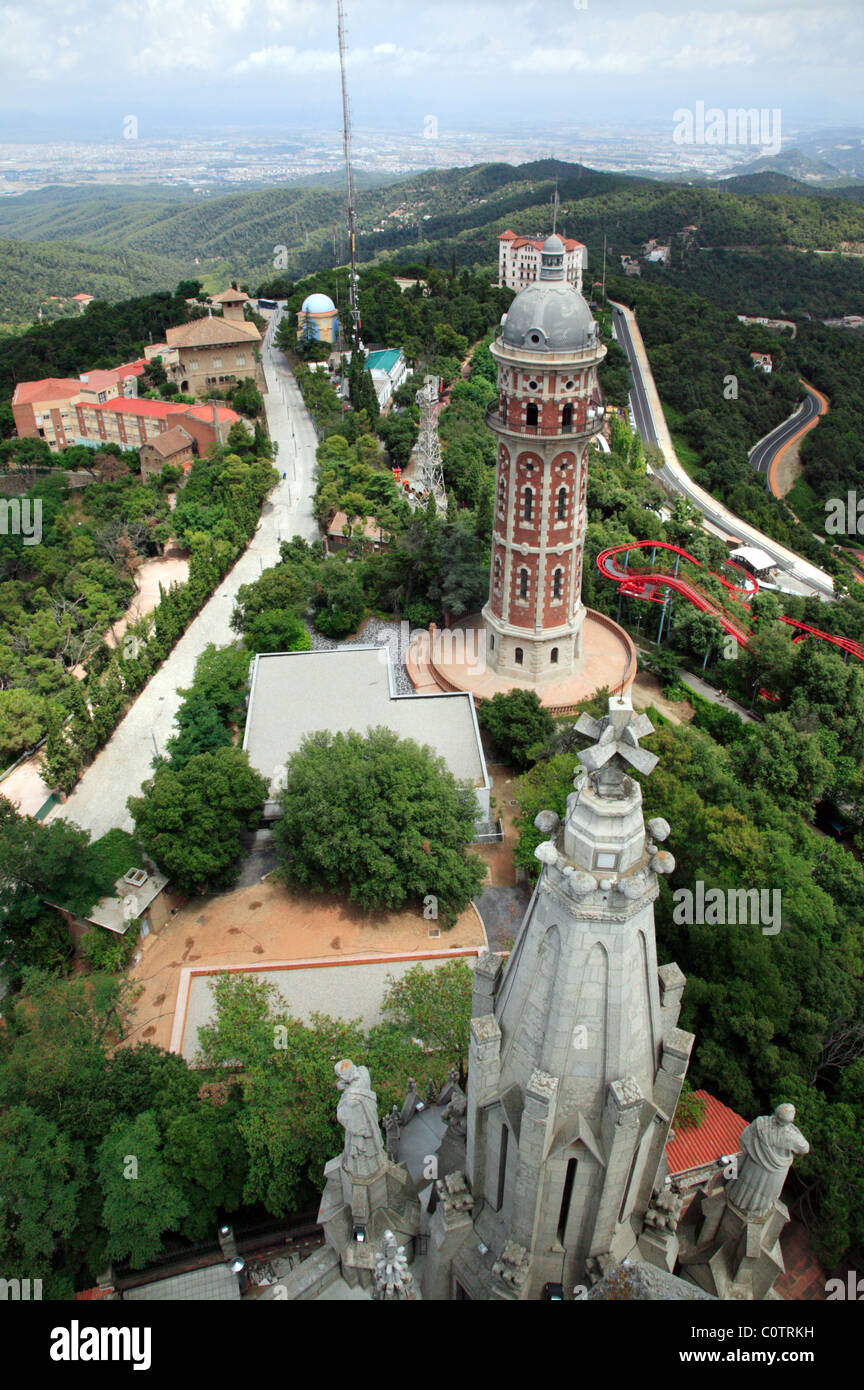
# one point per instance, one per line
(636, 584)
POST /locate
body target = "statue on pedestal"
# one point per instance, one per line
(769, 1145)
(357, 1112)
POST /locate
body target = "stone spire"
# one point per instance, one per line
(576, 1059)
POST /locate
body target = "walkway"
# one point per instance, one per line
(98, 802)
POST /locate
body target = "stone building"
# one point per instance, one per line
(556, 1177)
(175, 446)
(318, 318)
(215, 351)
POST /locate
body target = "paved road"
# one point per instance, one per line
(651, 424)
(762, 455)
(99, 801)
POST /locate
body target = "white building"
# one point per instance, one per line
(519, 260)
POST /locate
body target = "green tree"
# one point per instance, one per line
(338, 601)
(141, 1201)
(378, 818)
(40, 1183)
(22, 722)
(191, 819)
(518, 725)
(276, 630)
(434, 1005)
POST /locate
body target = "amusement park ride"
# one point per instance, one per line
(650, 585)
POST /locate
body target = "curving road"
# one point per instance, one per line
(651, 424)
(765, 454)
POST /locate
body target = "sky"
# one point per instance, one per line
(75, 69)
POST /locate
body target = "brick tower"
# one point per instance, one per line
(548, 408)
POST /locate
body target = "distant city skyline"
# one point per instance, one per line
(73, 71)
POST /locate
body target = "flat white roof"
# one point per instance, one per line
(298, 693)
(758, 559)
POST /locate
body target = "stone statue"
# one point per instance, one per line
(769, 1144)
(410, 1103)
(391, 1130)
(393, 1278)
(431, 1092)
(665, 1210)
(447, 1089)
(455, 1113)
(357, 1112)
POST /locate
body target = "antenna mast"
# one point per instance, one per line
(430, 473)
(349, 181)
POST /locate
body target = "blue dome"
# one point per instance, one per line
(318, 304)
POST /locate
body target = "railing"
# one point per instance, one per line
(496, 421)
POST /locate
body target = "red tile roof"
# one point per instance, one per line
(171, 441)
(719, 1133)
(111, 376)
(205, 413)
(537, 242)
(50, 388)
(161, 410)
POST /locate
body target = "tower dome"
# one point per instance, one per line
(550, 315)
(318, 304)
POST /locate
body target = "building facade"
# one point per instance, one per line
(549, 407)
(215, 351)
(520, 260)
(47, 409)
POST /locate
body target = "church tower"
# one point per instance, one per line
(576, 1060)
(549, 407)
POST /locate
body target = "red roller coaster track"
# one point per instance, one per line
(636, 584)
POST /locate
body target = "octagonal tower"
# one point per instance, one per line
(548, 408)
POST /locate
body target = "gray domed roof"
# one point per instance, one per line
(554, 314)
(549, 315)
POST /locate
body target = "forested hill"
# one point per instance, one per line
(148, 237)
(32, 271)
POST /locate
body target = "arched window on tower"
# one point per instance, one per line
(523, 583)
(529, 503)
(553, 656)
(557, 582)
(562, 503)
(532, 415)
(567, 418)
(519, 656)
